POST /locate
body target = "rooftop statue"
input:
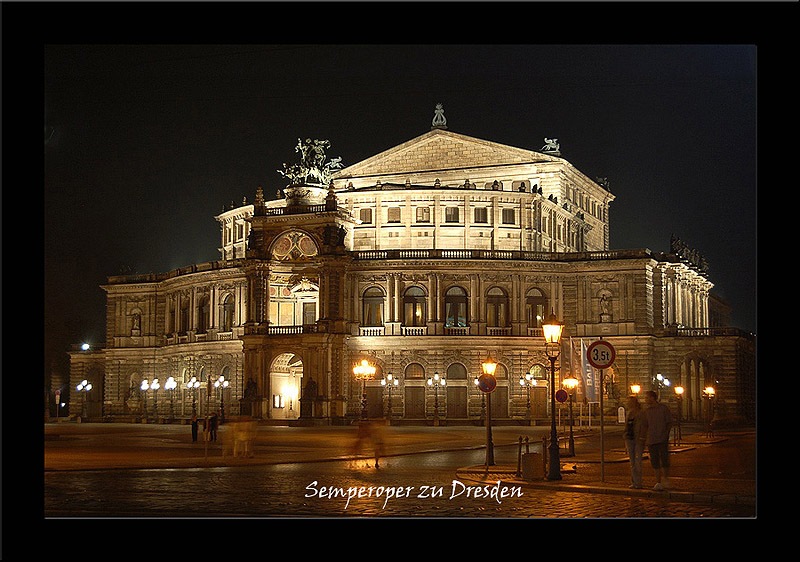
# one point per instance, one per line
(551, 145)
(312, 167)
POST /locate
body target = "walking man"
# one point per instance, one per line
(656, 427)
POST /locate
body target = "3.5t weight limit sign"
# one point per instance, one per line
(601, 354)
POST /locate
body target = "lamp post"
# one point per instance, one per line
(709, 393)
(528, 382)
(221, 384)
(84, 387)
(487, 384)
(170, 386)
(679, 396)
(144, 387)
(483, 400)
(364, 371)
(389, 381)
(571, 383)
(193, 385)
(155, 385)
(552, 336)
(434, 382)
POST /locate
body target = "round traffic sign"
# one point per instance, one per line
(487, 383)
(562, 395)
(601, 354)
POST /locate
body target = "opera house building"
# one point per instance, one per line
(380, 289)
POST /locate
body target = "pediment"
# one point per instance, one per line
(440, 149)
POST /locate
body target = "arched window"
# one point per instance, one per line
(373, 307)
(414, 307)
(457, 371)
(171, 316)
(203, 314)
(501, 372)
(227, 313)
(455, 306)
(414, 371)
(535, 308)
(496, 308)
(184, 319)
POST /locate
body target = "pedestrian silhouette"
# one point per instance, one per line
(634, 438)
(657, 426)
(214, 420)
(370, 435)
(194, 428)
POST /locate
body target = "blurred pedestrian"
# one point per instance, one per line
(214, 426)
(194, 428)
(657, 426)
(207, 428)
(634, 438)
(378, 442)
(370, 434)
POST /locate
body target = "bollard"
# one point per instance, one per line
(531, 470)
(545, 452)
(519, 458)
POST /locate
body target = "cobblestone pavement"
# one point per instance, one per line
(110, 470)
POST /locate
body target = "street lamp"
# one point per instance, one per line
(552, 336)
(661, 382)
(528, 382)
(84, 387)
(155, 385)
(709, 393)
(636, 389)
(221, 384)
(434, 382)
(145, 386)
(487, 386)
(679, 396)
(170, 386)
(364, 371)
(193, 385)
(389, 381)
(571, 383)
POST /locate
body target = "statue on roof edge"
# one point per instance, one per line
(312, 168)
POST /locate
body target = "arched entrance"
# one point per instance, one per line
(286, 382)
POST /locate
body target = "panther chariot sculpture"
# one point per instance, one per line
(312, 168)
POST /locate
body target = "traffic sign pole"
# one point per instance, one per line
(601, 355)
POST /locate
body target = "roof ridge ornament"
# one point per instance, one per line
(439, 121)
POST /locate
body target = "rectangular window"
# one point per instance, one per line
(366, 216)
(309, 312)
(508, 216)
(423, 214)
(451, 214)
(481, 215)
(394, 214)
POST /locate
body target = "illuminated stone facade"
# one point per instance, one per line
(426, 258)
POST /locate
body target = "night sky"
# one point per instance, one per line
(145, 143)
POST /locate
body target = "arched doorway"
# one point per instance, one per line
(286, 382)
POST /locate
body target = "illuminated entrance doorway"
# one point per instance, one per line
(286, 382)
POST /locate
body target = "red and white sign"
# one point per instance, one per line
(601, 354)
